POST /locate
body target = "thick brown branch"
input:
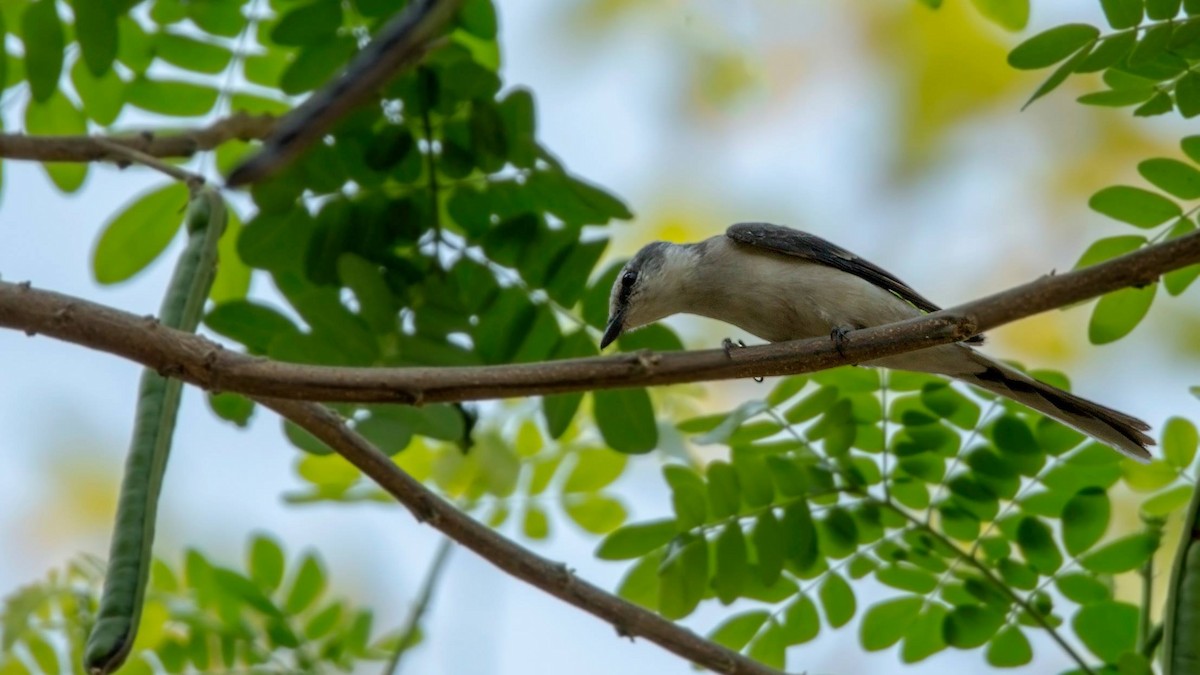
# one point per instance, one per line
(206, 364)
(554, 578)
(399, 45)
(239, 126)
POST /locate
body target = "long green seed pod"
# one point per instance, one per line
(158, 402)
(1181, 637)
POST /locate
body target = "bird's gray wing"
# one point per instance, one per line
(791, 242)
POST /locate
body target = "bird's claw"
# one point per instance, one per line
(728, 345)
(838, 335)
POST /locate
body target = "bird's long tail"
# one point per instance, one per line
(1123, 432)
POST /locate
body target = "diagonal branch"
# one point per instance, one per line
(556, 579)
(206, 364)
(240, 126)
(400, 44)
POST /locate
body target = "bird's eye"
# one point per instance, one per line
(629, 278)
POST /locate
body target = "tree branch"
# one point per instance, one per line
(400, 44)
(207, 364)
(554, 578)
(240, 126)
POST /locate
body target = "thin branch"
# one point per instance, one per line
(239, 126)
(557, 579)
(996, 582)
(130, 155)
(413, 625)
(398, 46)
(207, 364)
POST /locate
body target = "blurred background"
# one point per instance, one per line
(894, 130)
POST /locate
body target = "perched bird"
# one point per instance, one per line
(782, 284)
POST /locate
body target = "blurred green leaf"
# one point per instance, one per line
(1049, 47)
(885, 623)
(1135, 206)
(1085, 519)
(736, 631)
(42, 36)
(633, 541)
(626, 420)
(137, 235)
(1120, 555)
(1108, 628)
(1119, 312)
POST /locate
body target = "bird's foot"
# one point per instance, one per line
(838, 335)
(728, 345)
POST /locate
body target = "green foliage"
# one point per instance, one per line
(966, 509)
(199, 616)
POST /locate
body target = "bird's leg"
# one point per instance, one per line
(728, 345)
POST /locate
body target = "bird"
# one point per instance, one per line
(779, 284)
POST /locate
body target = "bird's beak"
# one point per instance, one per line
(613, 331)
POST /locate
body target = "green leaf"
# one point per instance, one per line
(1008, 14)
(1009, 649)
(732, 568)
(736, 631)
(626, 420)
(1172, 176)
(1191, 147)
(1051, 46)
(800, 621)
(1187, 94)
(837, 599)
(768, 537)
(1179, 441)
(724, 495)
(1160, 10)
(785, 389)
(251, 324)
(800, 543)
(1121, 555)
(1082, 588)
(58, 116)
(102, 97)
(1085, 519)
(535, 524)
(232, 407)
(1159, 104)
(1119, 312)
(633, 541)
(970, 626)
(560, 409)
(1135, 206)
(1109, 248)
(307, 586)
(596, 513)
(1147, 477)
(1177, 281)
(1037, 545)
(42, 36)
(308, 24)
(168, 97)
(192, 54)
(1108, 628)
(924, 636)
(315, 64)
(266, 562)
(1061, 74)
(1153, 44)
(139, 233)
(1122, 14)
(1109, 52)
(688, 496)
(683, 578)
(1167, 502)
(594, 469)
(885, 623)
(769, 648)
(96, 30)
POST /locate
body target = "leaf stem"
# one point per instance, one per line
(413, 625)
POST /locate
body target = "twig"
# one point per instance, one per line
(401, 42)
(557, 579)
(240, 126)
(130, 155)
(206, 364)
(418, 611)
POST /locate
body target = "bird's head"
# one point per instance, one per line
(650, 287)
